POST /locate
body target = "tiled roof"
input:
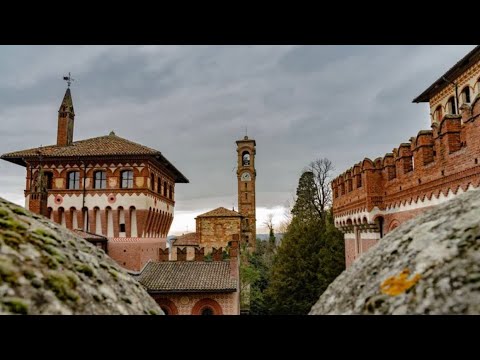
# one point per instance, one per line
(186, 239)
(187, 276)
(221, 211)
(109, 145)
(450, 75)
(88, 235)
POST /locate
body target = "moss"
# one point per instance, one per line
(4, 214)
(15, 305)
(45, 237)
(29, 274)
(11, 224)
(103, 265)
(36, 283)
(72, 244)
(96, 297)
(72, 277)
(8, 272)
(99, 281)
(114, 273)
(50, 261)
(12, 238)
(20, 211)
(127, 300)
(84, 269)
(153, 312)
(62, 286)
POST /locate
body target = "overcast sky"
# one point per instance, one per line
(193, 102)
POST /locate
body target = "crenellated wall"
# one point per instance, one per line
(374, 197)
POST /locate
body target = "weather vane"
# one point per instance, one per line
(68, 79)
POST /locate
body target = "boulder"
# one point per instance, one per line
(47, 269)
(428, 265)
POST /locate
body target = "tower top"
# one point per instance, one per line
(67, 102)
(246, 139)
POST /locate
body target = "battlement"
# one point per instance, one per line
(435, 161)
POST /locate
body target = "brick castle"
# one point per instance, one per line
(374, 197)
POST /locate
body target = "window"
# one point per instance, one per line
(452, 109)
(245, 158)
(159, 185)
(165, 188)
(170, 192)
(73, 180)
(246, 196)
(122, 228)
(359, 180)
(207, 311)
(152, 182)
(127, 179)
(100, 180)
(48, 180)
(466, 95)
(246, 186)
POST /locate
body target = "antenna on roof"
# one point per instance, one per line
(68, 79)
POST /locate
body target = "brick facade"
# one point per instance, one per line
(105, 185)
(374, 197)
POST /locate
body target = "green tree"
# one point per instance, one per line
(311, 254)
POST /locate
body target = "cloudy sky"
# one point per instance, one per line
(192, 102)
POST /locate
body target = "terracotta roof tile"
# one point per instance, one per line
(109, 145)
(186, 239)
(187, 276)
(221, 211)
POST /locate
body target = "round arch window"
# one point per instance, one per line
(207, 310)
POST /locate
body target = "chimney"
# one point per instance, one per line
(234, 254)
(163, 254)
(199, 254)
(217, 254)
(66, 117)
(181, 254)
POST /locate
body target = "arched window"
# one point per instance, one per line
(359, 180)
(245, 158)
(152, 182)
(451, 108)
(466, 95)
(127, 179)
(159, 185)
(100, 179)
(73, 180)
(438, 113)
(165, 188)
(48, 180)
(170, 192)
(165, 310)
(207, 310)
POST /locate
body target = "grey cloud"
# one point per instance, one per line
(193, 102)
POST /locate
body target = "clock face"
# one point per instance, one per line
(246, 176)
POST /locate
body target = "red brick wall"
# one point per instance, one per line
(435, 162)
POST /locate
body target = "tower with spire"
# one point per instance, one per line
(66, 116)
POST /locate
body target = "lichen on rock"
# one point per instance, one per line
(47, 269)
(428, 265)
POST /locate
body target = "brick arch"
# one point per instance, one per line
(204, 303)
(168, 304)
(393, 224)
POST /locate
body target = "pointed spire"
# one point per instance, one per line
(67, 102)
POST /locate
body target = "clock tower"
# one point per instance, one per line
(246, 176)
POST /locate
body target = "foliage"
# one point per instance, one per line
(311, 254)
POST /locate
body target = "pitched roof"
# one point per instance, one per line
(109, 145)
(186, 239)
(89, 236)
(187, 276)
(450, 75)
(221, 211)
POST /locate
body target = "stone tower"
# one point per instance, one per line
(246, 176)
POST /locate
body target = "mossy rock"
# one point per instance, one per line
(47, 269)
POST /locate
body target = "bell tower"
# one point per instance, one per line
(246, 175)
